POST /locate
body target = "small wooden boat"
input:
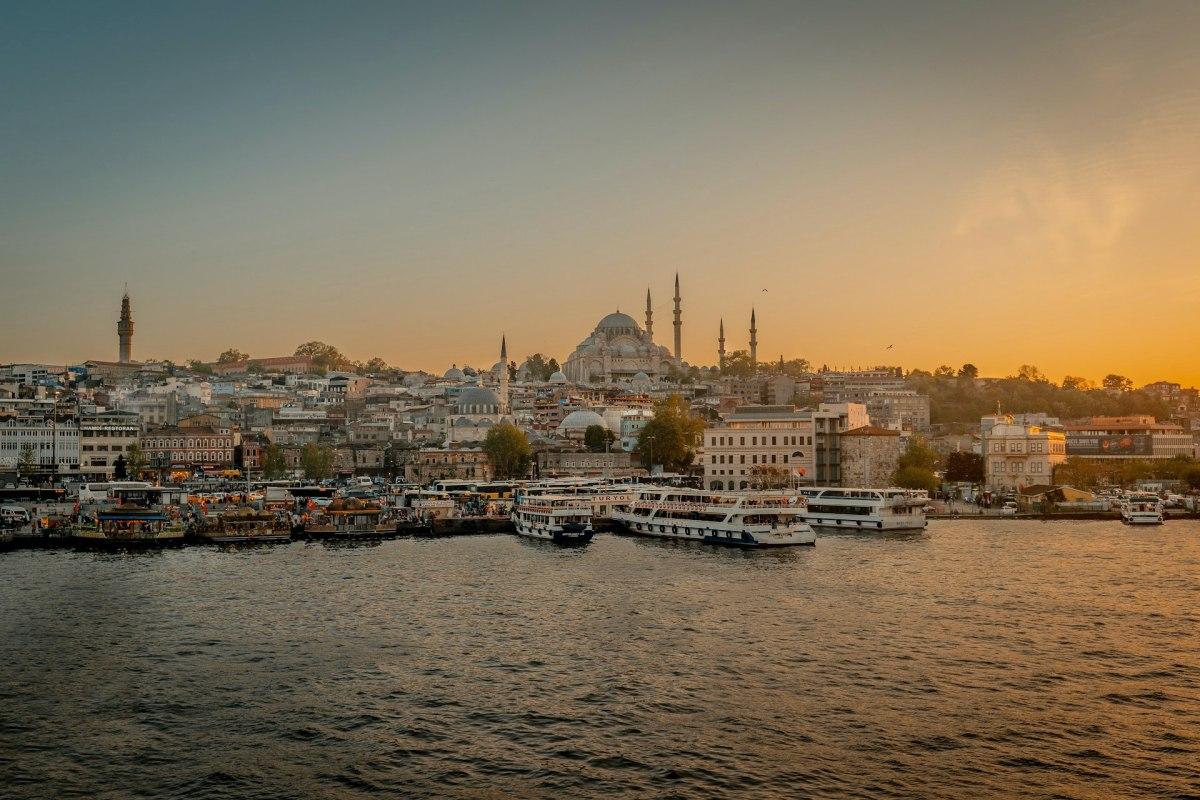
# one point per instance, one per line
(243, 525)
(351, 519)
(128, 526)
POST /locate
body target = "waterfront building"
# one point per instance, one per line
(1136, 436)
(902, 409)
(869, 456)
(586, 464)
(754, 440)
(172, 446)
(1017, 455)
(52, 446)
(435, 463)
(105, 436)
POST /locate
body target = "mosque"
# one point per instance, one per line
(619, 350)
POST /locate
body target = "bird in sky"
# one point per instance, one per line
(889, 347)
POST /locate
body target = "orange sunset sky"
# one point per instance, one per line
(1000, 185)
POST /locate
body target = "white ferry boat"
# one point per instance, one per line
(606, 497)
(738, 519)
(563, 519)
(865, 509)
(1142, 509)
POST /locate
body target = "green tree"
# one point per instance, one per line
(766, 477)
(135, 460)
(962, 466)
(196, 365)
(26, 461)
(552, 367)
(325, 356)
(376, 365)
(671, 436)
(1076, 383)
(1192, 477)
(968, 372)
(737, 364)
(232, 356)
(597, 438)
(917, 466)
(316, 461)
(274, 462)
(1116, 383)
(1031, 373)
(507, 451)
(796, 367)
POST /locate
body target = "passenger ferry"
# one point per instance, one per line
(351, 519)
(738, 519)
(865, 509)
(563, 519)
(1142, 509)
(606, 497)
(244, 525)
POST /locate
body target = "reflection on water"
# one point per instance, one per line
(976, 659)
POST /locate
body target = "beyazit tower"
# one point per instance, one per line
(125, 332)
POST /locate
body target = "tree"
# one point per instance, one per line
(968, 372)
(597, 438)
(26, 461)
(274, 463)
(507, 451)
(671, 436)
(196, 365)
(1030, 373)
(376, 365)
(766, 476)
(120, 470)
(1192, 478)
(135, 460)
(1077, 383)
(324, 356)
(944, 371)
(316, 461)
(551, 368)
(795, 367)
(737, 364)
(1116, 383)
(962, 466)
(232, 356)
(916, 467)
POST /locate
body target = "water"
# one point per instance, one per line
(1009, 659)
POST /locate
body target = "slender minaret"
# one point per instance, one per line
(678, 324)
(503, 374)
(649, 317)
(721, 346)
(125, 332)
(753, 341)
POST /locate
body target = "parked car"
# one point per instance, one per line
(14, 515)
(1009, 509)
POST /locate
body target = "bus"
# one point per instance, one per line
(99, 492)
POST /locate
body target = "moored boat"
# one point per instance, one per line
(351, 519)
(128, 526)
(244, 525)
(865, 509)
(736, 519)
(1142, 509)
(562, 519)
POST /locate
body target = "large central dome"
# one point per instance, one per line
(617, 321)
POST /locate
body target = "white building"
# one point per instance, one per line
(1017, 455)
(103, 437)
(48, 443)
(755, 443)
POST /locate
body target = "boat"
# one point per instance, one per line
(128, 526)
(732, 518)
(244, 525)
(605, 496)
(562, 519)
(1142, 509)
(847, 508)
(350, 519)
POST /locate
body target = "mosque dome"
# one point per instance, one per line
(497, 367)
(476, 397)
(641, 377)
(617, 321)
(558, 377)
(580, 420)
(628, 351)
(454, 374)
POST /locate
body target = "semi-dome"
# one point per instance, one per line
(558, 377)
(453, 374)
(617, 321)
(641, 377)
(581, 420)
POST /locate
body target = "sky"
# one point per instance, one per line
(1000, 184)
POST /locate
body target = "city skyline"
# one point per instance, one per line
(995, 186)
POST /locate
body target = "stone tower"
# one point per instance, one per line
(753, 341)
(125, 332)
(678, 324)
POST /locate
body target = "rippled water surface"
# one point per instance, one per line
(978, 659)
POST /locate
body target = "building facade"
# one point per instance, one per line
(103, 438)
(1016, 455)
(171, 446)
(869, 456)
(755, 442)
(1130, 437)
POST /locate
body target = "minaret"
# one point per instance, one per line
(721, 346)
(678, 323)
(753, 341)
(503, 374)
(125, 332)
(649, 317)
